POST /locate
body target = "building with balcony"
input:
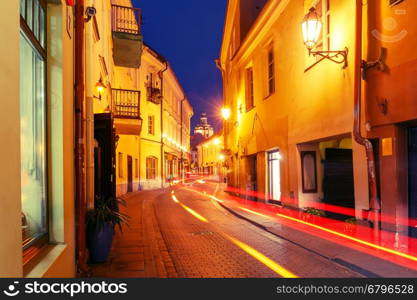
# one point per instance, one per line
(127, 34)
(290, 135)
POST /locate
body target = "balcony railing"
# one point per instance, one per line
(126, 19)
(126, 104)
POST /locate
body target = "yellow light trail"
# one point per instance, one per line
(404, 255)
(248, 249)
(262, 258)
(175, 199)
(194, 213)
(216, 199)
(254, 212)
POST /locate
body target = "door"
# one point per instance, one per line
(412, 177)
(274, 176)
(104, 157)
(129, 174)
(252, 178)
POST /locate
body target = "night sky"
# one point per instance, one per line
(188, 33)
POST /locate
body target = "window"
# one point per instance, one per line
(309, 171)
(271, 71)
(250, 98)
(151, 163)
(151, 125)
(33, 132)
(120, 160)
(274, 176)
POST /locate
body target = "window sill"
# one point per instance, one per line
(40, 264)
(269, 96)
(250, 109)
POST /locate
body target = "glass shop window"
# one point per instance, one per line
(33, 122)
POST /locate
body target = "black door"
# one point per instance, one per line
(412, 177)
(129, 174)
(104, 156)
(338, 178)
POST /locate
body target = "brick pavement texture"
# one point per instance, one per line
(139, 251)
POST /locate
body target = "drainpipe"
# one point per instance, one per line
(89, 115)
(374, 204)
(161, 76)
(82, 268)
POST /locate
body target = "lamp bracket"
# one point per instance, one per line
(378, 64)
(338, 56)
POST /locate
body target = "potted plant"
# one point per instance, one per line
(350, 225)
(312, 214)
(101, 222)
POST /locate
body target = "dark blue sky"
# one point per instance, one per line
(188, 34)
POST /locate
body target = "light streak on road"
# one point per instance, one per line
(194, 213)
(280, 270)
(175, 199)
(254, 212)
(391, 251)
(216, 199)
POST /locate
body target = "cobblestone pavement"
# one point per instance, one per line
(204, 240)
(183, 232)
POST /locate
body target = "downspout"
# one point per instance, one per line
(161, 76)
(374, 204)
(223, 72)
(82, 269)
(89, 115)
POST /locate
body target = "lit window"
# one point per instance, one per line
(33, 132)
(151, 125)
(151, 163)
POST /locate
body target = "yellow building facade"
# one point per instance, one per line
(291, 113)
(210, 156)
(37, 199)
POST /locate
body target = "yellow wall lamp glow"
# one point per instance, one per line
(226, 114)
(312, 31)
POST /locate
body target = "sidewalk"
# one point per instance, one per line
(358, 258)
(139, 251)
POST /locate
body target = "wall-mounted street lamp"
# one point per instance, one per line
(226, 113)
(100, 87)
(312, 28)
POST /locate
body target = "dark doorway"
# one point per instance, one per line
(338, 182)
(252, 178)
(274, 177)
(412, 177)
(129, 174)
(104, 156)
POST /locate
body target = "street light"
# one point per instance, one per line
(100, 88)
(226, 113)
(312, 29)
(216, 141)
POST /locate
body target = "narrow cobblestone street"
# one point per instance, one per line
(182, 232)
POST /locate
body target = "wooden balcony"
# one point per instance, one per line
(126, 111)
(127, 36)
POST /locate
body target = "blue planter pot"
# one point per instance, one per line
(99, 242)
